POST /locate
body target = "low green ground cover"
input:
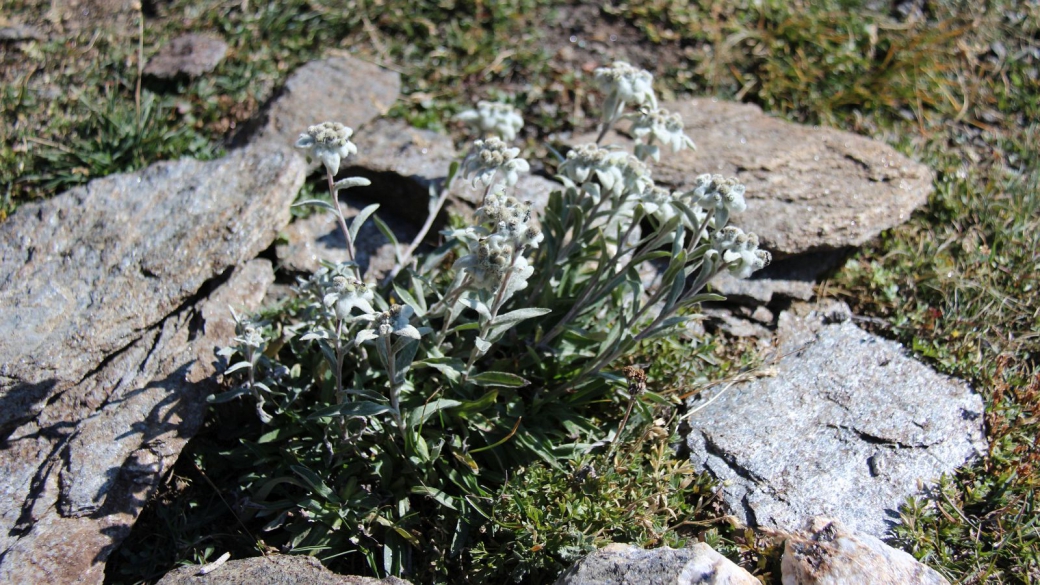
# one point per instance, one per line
(952, 84)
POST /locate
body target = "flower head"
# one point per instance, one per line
(738, 251)
(625, 84)
(494, 118)
(715, 192)
(651, 125)
(329, 142)
(491, 155)
(395, 321)
(347, 294)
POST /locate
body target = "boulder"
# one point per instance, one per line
(191, 55)
(270, 570)
(829, 554)
(340, 89)
(844, 424)
(116, 295)
(622, 564)
(809, 189)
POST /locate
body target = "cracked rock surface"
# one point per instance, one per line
(623, 564)
(845, 424)
(809, 189)
(115, 296)
(273, 569)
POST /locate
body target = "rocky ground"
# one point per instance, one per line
(117, 295)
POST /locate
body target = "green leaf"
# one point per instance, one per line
(503, 379)
(421, 414)
(227, 396)
(479, 404)
(408, 299)
(389, 233)
(519, 315)
(315, 483)
(440, 497)
(359, 220)
(350, 409)
(317, 203)
(237, 367)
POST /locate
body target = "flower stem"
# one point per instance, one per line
(342, 221)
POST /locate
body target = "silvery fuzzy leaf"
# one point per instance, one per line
(409, 331)
(359, 219)
(482, 346)
(351, 182)
(477, 305)
(317, 203)
(364, 335)
(237, 367)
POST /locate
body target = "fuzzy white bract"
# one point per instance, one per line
(490, 156)
(494, 118)
(738, 251)
(328, 142)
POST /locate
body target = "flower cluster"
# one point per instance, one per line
(491, 155)
(724, 196)
(657, 124)
(396, 321)
(494, 118)
(604, 172)
(625, 84)
(328, 142)
(341, 292)
(739, 251)
(495, 254)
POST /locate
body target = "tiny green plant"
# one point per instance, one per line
(394, 412)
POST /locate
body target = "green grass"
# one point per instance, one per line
(957, 90)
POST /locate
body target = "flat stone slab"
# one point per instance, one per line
(337, 89)
(270, 570)
(115, 296)
(809, 189)
(191, 55)
(845, 424)
(74, 479)
(623, 564)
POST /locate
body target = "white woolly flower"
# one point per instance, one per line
(625, 84)
(493, 155)
(328, 142)
(396, 321)
(494, 118)
(348, 294)
(738, 251)
(715, 192)
(603, 172)
(659, 203)
(651, 125)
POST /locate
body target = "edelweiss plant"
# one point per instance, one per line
(396, 410)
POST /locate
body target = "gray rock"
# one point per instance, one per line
(844, 424)
(270, 570)
(721, 319)
(829, 554)
(754, 291)
(339, 89)
(808, 189)
(116, 295)
(84, 275)
(191, 55)
(75, 478)
(622, 564)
